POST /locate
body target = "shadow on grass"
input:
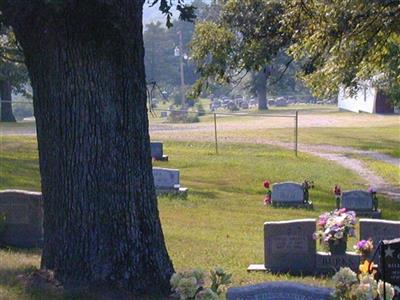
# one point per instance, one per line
(205, 194)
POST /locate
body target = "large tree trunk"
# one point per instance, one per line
(6, 105)
(260, 84)
(101, 222)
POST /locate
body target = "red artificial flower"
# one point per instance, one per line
(266, 184)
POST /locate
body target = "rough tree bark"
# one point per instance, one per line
(6, 105)
(85, 61)
(260, 85)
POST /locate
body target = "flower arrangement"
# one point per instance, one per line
(364, 247)
(306, 185)
(335, 225)
(348, 286)
(190, 285)
(337, 191)
(267, 198)
(372, 191)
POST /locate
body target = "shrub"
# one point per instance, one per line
(190, 285)
(183, 117)
(200, 110)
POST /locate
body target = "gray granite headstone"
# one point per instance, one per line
(287, 192)
(167, 181)
(379, 230)
(357, 200)
(157, 151)
(277, 290)
(165, 178)
(289, 246)
(24, 218)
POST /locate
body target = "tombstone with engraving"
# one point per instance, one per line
(23, 218)
(289, 247)
(167, 181)
(362, 202)
(327, 263)
(390, 261)
(289, 194)
(284, 243)
(157, 151)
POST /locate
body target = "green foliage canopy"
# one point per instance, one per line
(342, 42)
(247, 36)
(12, 67)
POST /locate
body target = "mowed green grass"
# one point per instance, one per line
(380, 139)
(221, 221)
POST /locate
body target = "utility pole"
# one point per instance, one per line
(183, 96)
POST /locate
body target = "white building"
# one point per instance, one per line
(368, 98)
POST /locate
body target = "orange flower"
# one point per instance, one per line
(366, 268)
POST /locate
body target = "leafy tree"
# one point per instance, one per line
(160, 43)
(86, 64)
(247, 37)
(13, 73)
(342, 42)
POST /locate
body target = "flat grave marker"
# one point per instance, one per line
(278, 290)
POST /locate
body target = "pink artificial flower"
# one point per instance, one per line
(267, 200)
(371, 189)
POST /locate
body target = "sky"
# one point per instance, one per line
(153, 14)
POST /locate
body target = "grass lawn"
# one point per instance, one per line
(221, 221)
(381, 139)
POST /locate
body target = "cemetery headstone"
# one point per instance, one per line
(167, 181)
(379, 230)
(157, 152)
(278, 291)
(361, 202)
(390, 262)
(289, 194)
(289, 246)
(23, 218)
(327, 263)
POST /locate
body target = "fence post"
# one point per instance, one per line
(296, 132)
(215, 133)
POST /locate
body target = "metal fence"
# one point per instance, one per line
(157, 113)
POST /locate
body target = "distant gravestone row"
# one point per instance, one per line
(292, 194)
(290, 247)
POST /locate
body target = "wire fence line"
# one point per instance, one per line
(214, 114)
(294, 117)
